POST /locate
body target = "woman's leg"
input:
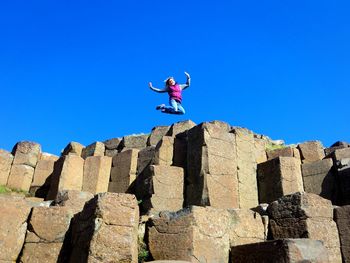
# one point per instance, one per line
(172, 109)
(180, 109)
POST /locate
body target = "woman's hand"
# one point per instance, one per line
(187, 75)
(150, 84)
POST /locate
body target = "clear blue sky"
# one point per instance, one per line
(79, 70)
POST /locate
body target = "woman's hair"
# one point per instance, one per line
(167, 81)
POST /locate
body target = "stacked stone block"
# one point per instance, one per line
(94, 149)
(124, 170)
(160, 187)
(26, 155)
(305, 215)
(212, 166)
(282, 250)
(311, 151)
(68, 175)
(6, 159)
(318, 178)
(106, 230)
(195, 234)
(246, 168)
(111, 146)
(287, 151)
(260, 150)
(43, 172)
(156, 135)
(48, 235)
(97, 170)
(13, 225)
(133, 142)
(164, 151)
(279, 177)
(145, 158)
(73, 148)
(342, 218)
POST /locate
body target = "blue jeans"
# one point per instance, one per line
(174, 108)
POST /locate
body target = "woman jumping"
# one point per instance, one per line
(175, 95)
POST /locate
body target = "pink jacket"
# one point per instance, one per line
(175, 92)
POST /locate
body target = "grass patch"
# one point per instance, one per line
(271, 147)
(7, 190)
(143, 252)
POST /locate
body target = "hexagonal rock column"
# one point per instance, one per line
(246, 168)
(195, 234)
(311, 151)
(73, 148)
(343, 181)
(123, 172)
(94, 149)
(20, 177)
(134, 142)
(305, 215)
(159, 188)
(260, 150)
(48, 235)
(212, 166)
(283, 250)
(13, 226)
(6, 159)
(97, 170)
(156, 135)
(26, 153)
(342, 218)
(283, 152)
(318, 178)
(43, 170)
(279, 177)
(106, 230)
(111, 146)
(246, 227)
(67, 175)
(337, 145)
(164, 151)
(145, 158)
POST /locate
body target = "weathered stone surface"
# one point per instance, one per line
(180, 150)
(160, 188)
(246, 168)
(195, 234)
(124, 171)
(164, 151)
(281, 152)
(180, 127)
(246, 227)
(212, 166)
(311, 151)
(73, 148)
(156, 135)
(259, 150)
(342, 218)
(37, 252)
(68, 175)
(134, 141)
(72, 199)
(343, 187)
(43, 170)
(97, 170)
(21, 177)
(279, 177)
(94, 149)
(48, 157)
(281, 251)
(318, 178)
(106, 230)
(336, 146)
(26, 153)
(145, 158)
(339, 154)
(13, 226)
(112, 144)
(6, 159)
(305, 215)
